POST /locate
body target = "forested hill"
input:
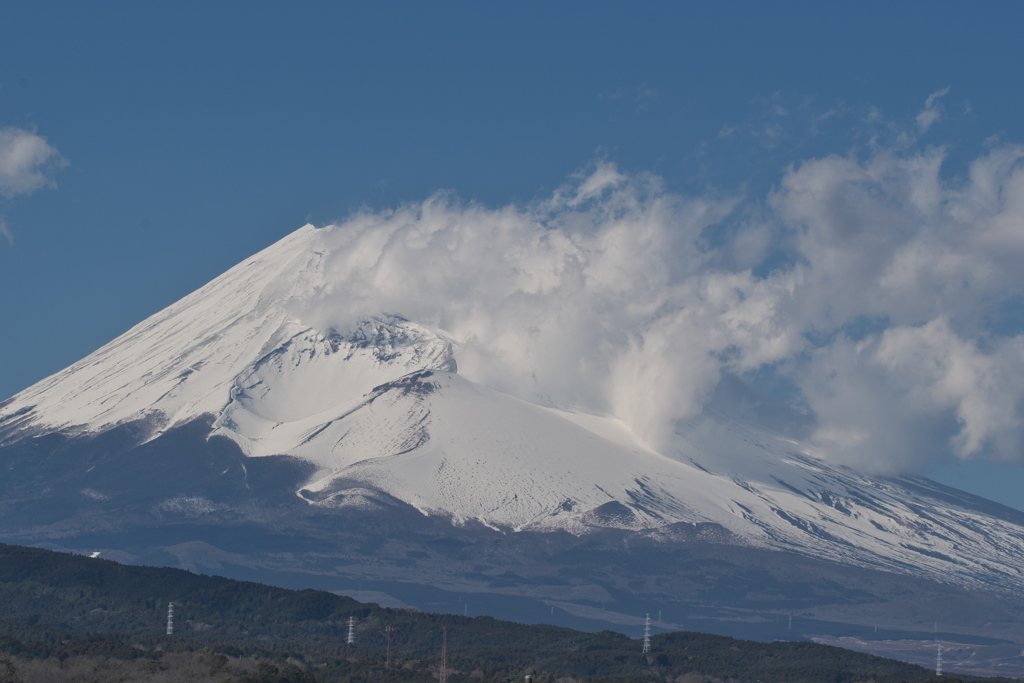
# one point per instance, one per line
(93, 619)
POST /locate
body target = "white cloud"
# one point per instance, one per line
(600, 297)
(903, 397)
(940, 371)
(931, 112)
(26, 162)
(618, 296)
(902, 273)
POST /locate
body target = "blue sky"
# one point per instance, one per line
(173, 140)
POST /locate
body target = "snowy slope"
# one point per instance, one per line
(380, 407)
(180, 362)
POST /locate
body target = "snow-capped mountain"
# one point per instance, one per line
(379, 409)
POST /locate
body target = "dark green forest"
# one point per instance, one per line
(65, 617)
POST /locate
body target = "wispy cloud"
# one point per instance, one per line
(931, 112)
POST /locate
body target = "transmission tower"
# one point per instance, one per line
(938, 662)
(351, 640)
(444, 655)
(387, 633)
(170, 618)
(647, 635)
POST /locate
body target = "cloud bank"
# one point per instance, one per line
(888, 297)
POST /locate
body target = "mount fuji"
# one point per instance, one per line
(232, 431)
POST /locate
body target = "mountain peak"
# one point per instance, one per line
(377, 411)
(222, 347)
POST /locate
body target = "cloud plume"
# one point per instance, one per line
(880, 291)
